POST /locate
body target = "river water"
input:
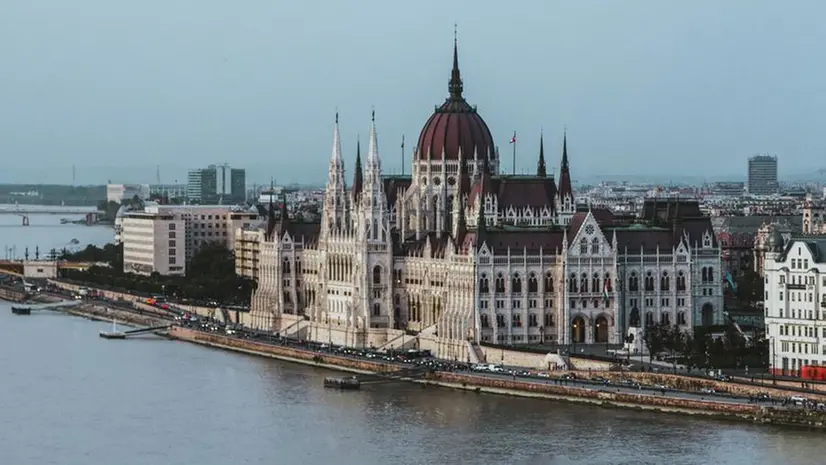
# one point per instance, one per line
(68, 397)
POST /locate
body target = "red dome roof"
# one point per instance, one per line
(455, 125)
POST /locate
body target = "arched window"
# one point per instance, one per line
(595, 246)
(572, 284)
(595, 283)
(710, 274)
(607, 282)
(549, 282)
(583, 246)
(484, 286)
(583, 283)
(549, 319)
(680, 281)
(376, 309)
(634, 282)
(705, 274)
(286, 268)
(500, 283)
(516, 284)
(649, 318)
(649, 281)
(377, 274)
(665, 318)
(533, 284)
(485, 321)
(681, 318)
(665, 282)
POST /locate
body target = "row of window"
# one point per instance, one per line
(516, 320)
(800, 331)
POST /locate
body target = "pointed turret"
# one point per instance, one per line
(358, 174)
(455, 85)
(540, 165)
(271, 214)
(373, 160)
(336, 205)
(565, 188)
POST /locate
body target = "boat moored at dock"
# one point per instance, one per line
(21, 310)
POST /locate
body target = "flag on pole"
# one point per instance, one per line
(605, 294)
(513, 139)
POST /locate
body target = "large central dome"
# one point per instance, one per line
(455, 125)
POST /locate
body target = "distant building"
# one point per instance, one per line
(728, 189)
(171, 191)
(763, 175)
(162, 238)
(120, 192)
(217, 184)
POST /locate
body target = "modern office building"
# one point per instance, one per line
(763, 175)
(217, 184)
(120, 192)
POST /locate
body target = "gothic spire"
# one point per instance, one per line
(358, 175)
(564, 172)
(336, 159)
(455, 85)
(540, 165)
(373, 161)
(271, 213)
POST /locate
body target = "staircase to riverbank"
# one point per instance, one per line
(477, 355)
(402, 341)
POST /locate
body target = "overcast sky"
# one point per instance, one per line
(653, 87)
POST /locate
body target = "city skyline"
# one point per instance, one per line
(632, 83)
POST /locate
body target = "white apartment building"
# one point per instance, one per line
(153, 242)
(795, 302)
(161, 238)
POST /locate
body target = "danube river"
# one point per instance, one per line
(69, 397)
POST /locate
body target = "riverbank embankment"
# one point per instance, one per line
(521, 388)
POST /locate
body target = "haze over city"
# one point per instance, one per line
(645, 88)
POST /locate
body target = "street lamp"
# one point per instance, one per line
(541, 335)
(574, 335)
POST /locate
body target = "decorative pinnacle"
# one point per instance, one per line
(336, 115)
(373, 114)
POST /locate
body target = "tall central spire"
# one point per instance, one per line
(455, 85)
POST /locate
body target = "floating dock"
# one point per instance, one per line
(114, 334)
(350, 383)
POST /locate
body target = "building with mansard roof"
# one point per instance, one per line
(459, 254)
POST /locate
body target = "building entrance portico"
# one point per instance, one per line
(578, 330)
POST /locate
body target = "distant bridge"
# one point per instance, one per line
(22, 210)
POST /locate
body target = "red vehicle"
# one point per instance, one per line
(813, 372)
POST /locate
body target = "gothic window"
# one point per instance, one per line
(595, 283)
(607, 282)
(705, 274)
(583, 283)
(681, 318)
(532, 322)
(377, 309)
(710, 274)
(286, 268)
(572, 287)
(500, 320)
(377, 274)
(549, 282)
(583, 246)
(665, 318)
(595, 245)
(533, 284)
(665, 282)
(680, 281)
(634, 282)
(516, 320)
(649, 318)
(649, 281)
(549, 319)
(484, 286)
(500, 283)
(485, 321)
(516, 284)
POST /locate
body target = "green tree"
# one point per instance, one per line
(750, 289)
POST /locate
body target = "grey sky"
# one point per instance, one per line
(645, 87)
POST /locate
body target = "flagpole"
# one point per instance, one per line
(514, 152)
(402, 154)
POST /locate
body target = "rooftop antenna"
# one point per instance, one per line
(402, 154)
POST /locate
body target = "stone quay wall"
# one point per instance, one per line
(12, 295)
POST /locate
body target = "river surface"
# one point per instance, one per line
(68, 397)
